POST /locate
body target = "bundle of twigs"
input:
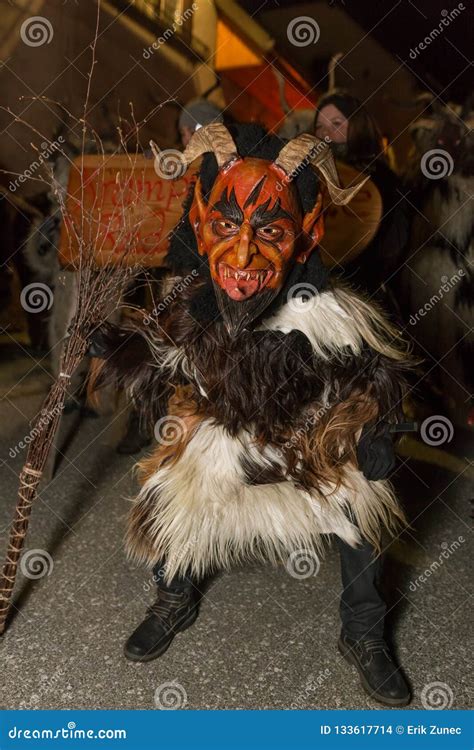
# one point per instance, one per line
(99, 288)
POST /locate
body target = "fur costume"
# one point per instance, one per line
(437, 276)
(257, 456)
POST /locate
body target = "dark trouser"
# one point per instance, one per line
(362, 608)
(177, 583)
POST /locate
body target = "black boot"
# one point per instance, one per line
(175, 609)
(379, 675)
(362, 614)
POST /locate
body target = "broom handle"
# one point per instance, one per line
(29, 480)
(30, 476)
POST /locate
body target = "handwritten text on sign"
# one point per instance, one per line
(124, 207)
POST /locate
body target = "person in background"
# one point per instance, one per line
(195, 114)
(356, 140)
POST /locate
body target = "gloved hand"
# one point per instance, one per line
(375, 452)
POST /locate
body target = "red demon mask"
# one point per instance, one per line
(251, 230)
(251, 227)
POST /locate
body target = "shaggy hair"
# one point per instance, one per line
(258, 450)
(282, 405)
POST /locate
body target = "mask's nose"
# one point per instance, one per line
(246, 247)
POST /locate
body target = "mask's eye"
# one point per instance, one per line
(270, 233)
(224, 227)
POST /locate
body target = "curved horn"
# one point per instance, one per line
(308, 149)
(213, 138)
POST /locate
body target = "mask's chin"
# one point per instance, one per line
(242, 297)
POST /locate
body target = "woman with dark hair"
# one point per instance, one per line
(356, 140)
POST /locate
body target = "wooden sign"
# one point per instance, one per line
(349, 229)
(127, 204)
(124, 204)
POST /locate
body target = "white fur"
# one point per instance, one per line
(439, 329)
(322, 319)
(205, 516)
(200, 513)
(452, 213)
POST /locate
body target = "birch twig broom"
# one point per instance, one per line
(99, 287)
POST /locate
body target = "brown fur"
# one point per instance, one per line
(182, 406)
(141, 514)
(331, 443)
(305, 403)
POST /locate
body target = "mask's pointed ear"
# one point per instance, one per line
(197, 213)
(313, 230)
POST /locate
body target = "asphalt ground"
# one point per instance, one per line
(263, 638)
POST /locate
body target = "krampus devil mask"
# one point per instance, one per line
(251, 226)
